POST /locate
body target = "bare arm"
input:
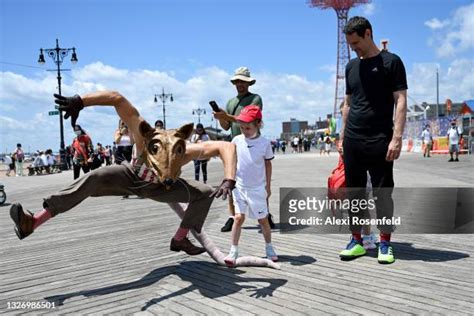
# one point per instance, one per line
(206, 150)
(345, 114)
(268, 174)
(395, 146)
(127, 112)
(117, 136)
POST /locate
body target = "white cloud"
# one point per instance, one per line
(435, 24)
(454, 35)
(456, 82)
(26, 101)
(368, 9)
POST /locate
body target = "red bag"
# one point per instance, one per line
(336, 181)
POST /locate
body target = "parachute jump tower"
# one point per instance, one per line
(342, 8)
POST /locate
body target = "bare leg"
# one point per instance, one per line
(237, 228)
(266, 231)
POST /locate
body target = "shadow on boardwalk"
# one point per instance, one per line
(235, 282)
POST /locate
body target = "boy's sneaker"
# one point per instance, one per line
(271, 254)
(228, 225)
(385, 253)
(368, 242)
(353, 250)
(231, 258)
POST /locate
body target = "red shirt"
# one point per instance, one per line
(81, 145)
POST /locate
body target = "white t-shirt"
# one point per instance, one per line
(426, 136)
(45, 160)
(453, 134)
(295, 141)
(125, 141)
(51, 160)
(251, 156)
(196, 139)
(7, 159)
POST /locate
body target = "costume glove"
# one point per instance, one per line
(224, 189)
(71, 105)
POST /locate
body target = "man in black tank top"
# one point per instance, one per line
(370, 141)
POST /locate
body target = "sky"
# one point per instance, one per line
(191, 48)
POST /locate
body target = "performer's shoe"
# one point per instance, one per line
(353, 250)
(186, 246)
(23, 220)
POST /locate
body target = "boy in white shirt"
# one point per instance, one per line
(254, 172)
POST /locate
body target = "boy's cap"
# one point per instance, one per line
(249, 114)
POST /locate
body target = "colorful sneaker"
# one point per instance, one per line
(385, 253)
(231, 258)
(353, 250)
(368, 242)
(271, 254)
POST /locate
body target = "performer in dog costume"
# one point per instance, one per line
(153, 173)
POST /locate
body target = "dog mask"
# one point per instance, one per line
(163, 151)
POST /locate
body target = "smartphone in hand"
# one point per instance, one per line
(214, 106)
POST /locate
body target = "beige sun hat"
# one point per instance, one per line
(242, 73)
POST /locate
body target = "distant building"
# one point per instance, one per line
(293, 127)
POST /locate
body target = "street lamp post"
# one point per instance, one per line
(424, 111)
(58, 54)
(164, 96)
(199, 112)
(217, 130)
(437, 93)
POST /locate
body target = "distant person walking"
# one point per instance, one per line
(453, 135)
(200, 136)
(82, 149)
(427, 141)
(8, 162)
(19, 156)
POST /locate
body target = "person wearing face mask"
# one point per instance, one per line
(453, 135)
(198, 137)
(159, 124)
(82, 148)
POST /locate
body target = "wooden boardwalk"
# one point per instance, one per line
(111, 256)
